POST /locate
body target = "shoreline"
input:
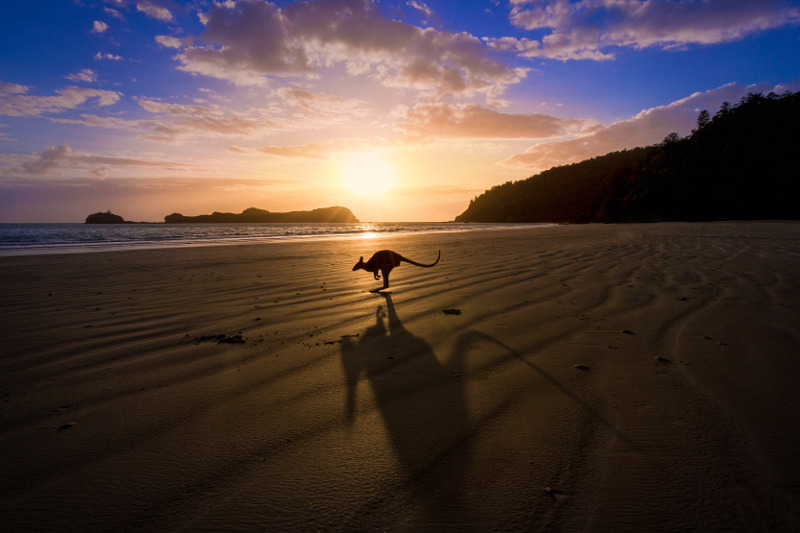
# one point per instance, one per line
(315, 232)
(598, 377)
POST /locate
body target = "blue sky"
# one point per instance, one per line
(400, 110)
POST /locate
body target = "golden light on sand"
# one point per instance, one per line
(367, 173)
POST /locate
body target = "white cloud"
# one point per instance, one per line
(420, 6)
(593, 29)
(99, 26)
(154, 11)
(85, 74)
(250, 40)
(173, 42)
(100, 56)
(16, 102)
(113, 12)
(648, 127)
(12, 88)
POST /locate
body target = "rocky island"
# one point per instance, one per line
(105, 218)
(252, 215)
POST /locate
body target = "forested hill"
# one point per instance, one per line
(253, 215)
(742, 163)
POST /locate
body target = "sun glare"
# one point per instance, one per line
(367, 174)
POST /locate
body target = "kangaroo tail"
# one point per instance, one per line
(420, 264)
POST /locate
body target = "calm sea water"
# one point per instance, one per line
(26, 239)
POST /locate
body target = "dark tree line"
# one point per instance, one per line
(740, 164)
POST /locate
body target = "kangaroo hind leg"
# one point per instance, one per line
(385, 271)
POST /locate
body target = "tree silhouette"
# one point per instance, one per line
(740, 164)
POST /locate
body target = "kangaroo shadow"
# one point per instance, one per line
(422, 404)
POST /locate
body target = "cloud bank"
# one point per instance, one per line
(479, 122)
(250, 40)
(595, 29)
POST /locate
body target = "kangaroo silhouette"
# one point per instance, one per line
(382, 263)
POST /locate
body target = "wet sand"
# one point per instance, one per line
(573, 378)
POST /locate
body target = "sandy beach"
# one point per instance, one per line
(571, 378)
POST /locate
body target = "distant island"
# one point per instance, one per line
(740, 164)
(252, 215)
(106, 218)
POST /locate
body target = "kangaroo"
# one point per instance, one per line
(383, 262)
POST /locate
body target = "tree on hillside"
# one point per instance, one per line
(738, 164)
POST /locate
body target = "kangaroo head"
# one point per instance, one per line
(360, 263)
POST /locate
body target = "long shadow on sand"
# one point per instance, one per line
(422, 403)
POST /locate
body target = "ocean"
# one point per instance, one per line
(28, 239)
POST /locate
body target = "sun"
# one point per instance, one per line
(367, 173)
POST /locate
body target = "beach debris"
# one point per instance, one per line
(663, 360)
(342, 338)
(582, 367)
(231, 339)
(719, 343)
(222, 339)
(451, 311)
(550, 491)
(65, 426)
(628, 332)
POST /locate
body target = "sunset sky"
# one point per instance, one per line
(400, 110)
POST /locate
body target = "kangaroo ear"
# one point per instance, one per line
(361, 259)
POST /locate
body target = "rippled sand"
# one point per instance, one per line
(583, 378)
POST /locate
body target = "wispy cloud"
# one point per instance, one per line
(648, 127)
(14, 100)
(53, 160)
(420, 6)
(425, 123)
(323, 149)
(113, 12)
(251, 40)
(321, 109)
(475, 121)
(154, 11)
(173, 42)
(595, 29)
(85, 75)
(100, 56)
(290, 109)
(12, 88)
(178, 122)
